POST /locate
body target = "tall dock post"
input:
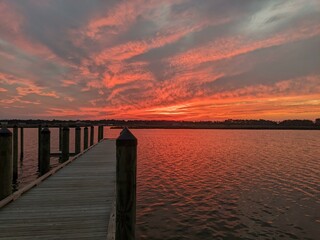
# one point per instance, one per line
(99, 133)
(85, 138)
(101, 137)
(21, 143)
(77, 141)
(65, 144)
(126, 185)
(15, 154)
(45, 151)
(5, 163)
(39, 146)
(60, 138)
(91, 135)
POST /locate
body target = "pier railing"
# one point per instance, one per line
(9, 149)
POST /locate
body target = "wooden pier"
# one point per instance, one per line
(74, 203)
(90, 196)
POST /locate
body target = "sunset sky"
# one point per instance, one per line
(168, 59)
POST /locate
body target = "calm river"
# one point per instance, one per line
(219, 184)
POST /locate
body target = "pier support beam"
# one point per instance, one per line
(45, 151)
(21, 143)
(65, 144)
(91, 135)
(85, 138)
(15, 154)
(126, 177)
(5, 163)
(77, 141)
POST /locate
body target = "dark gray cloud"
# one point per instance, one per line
(272, 65)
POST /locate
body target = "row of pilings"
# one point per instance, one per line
(9, 151)
(126, 168)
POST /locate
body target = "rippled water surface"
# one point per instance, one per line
(223, 184)
(228, 184)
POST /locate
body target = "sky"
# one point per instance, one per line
(150, 59)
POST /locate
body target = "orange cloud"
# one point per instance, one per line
(67, 83)
(295, 96)
(126, 74)
(26, 86)
(23, 91)
(134, 48)
(17, 100)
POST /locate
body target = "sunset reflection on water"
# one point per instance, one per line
(205, 184)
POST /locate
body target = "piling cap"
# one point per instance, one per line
(45, 130)
(126, 138)
(5, 132)
(65, 128)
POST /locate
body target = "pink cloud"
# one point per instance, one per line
(23, 91)
(122, 16)
(26, 86)
(67, 83)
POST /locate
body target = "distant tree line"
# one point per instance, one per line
(230, 123)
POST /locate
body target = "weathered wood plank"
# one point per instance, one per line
(73, 203)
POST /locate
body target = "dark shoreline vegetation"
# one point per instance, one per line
(165, 124)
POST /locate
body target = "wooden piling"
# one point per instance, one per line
(126, 185)
(85, 138)
(15, 154)
(5, 163)
(77, 142)
(44, 166)
(65, 144)
(21, 144)
(91, 135)
(101, 133)
(60, 138)
(39, 145)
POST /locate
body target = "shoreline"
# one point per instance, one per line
(217, 128)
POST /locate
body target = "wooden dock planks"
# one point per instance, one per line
(74, 203)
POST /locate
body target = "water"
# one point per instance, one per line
(221, 184)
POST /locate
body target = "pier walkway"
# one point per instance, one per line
(73, 203)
